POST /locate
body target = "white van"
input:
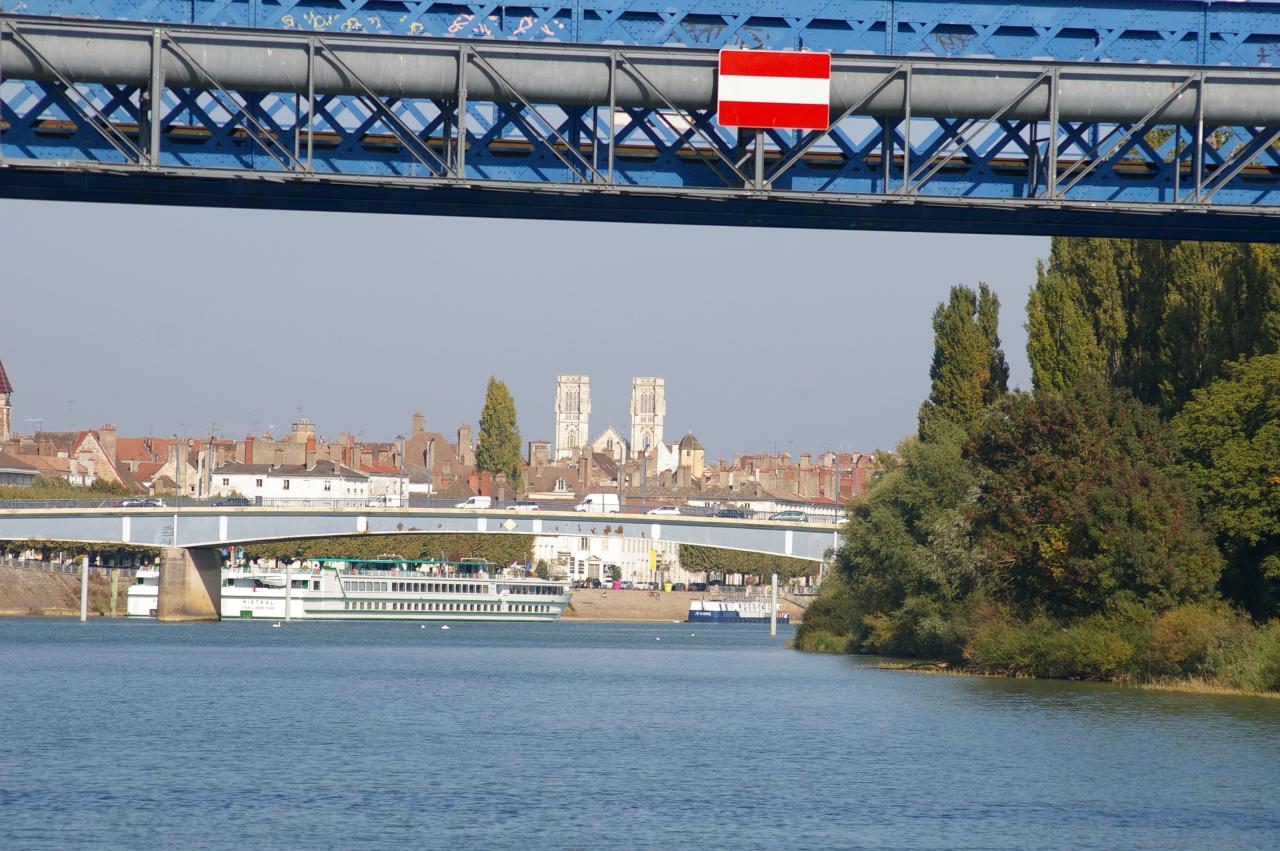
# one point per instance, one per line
(599, 503)
(476, 502)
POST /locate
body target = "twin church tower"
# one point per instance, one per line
(573, 414)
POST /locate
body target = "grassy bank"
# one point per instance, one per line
(1194, 647)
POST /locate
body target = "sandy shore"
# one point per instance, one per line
(596, 605)
(25, 592)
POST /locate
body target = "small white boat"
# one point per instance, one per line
(445, 626)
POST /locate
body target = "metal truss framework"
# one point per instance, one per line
(1182, 32)
(224, 144)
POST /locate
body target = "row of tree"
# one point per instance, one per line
(1090, 525)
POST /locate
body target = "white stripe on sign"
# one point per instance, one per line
(774, 89)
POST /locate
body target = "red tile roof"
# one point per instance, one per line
(5, 386)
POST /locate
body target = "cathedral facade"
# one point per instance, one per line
(573, 414)
(648, 411)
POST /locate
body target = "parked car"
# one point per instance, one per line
(677, 586)
(147, 502)
(476, 502)
(523, 505)
(737, 513)
(627, 586)
(231, 501)
(790, 516)
(697, 586)
(673, 510)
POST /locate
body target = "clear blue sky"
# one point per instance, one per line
(164, 319)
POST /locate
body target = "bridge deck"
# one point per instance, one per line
(217, 527)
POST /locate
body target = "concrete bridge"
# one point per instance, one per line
(190, 566)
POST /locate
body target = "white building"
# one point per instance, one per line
(587, 557)
(573, 414)
(388, 485)
(322, 481)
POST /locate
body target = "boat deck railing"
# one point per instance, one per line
(406, 573)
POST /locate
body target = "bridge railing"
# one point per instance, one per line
(632, 505)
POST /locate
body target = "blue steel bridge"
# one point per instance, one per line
(1155, 119)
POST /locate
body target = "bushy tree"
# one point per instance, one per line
(709, 560)
(499, 449)
(907, 558)
(1229, 435)
(969, 369)
(1082, 503)
(500, 549)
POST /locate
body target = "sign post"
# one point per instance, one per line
(773, 90)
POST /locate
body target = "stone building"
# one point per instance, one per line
(648, 411)
(6, 407)
(692, 457)
(573, 414)
(611, 443)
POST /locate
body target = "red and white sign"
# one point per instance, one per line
(779, 89)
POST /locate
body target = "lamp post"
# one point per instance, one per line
(402, 494)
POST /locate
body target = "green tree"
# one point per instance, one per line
(709, 560)
(499, 448)
(1159, 318)
(1229, 435)
(969, 369)
(1082, 504)
(1061, 344)
(907, 559)
(451, 546)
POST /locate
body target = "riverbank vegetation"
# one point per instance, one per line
(1119, 522)
(451, 546)
(52, 487)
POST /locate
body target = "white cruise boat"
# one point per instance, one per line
(376, 589)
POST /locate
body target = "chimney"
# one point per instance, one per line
(419, 423)
(466, 453)
(107, 437)
(248, 449)
(806, 460)
(309, 460)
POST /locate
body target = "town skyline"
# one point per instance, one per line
(769, 337)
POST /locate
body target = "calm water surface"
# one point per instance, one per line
(572, 735)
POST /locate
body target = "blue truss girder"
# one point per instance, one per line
(1175, 31)
(549, 149)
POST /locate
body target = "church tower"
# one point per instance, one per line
(6, 409)
(573, 413)
(648, 410)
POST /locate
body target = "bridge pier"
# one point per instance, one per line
(190, 585)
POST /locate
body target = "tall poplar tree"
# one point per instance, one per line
(1061, 344)
(1158, 318)
(969, 369)
(499, 449)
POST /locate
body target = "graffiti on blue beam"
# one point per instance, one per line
(1175, 31)
(651, 148)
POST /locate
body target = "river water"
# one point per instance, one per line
(577, 735)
